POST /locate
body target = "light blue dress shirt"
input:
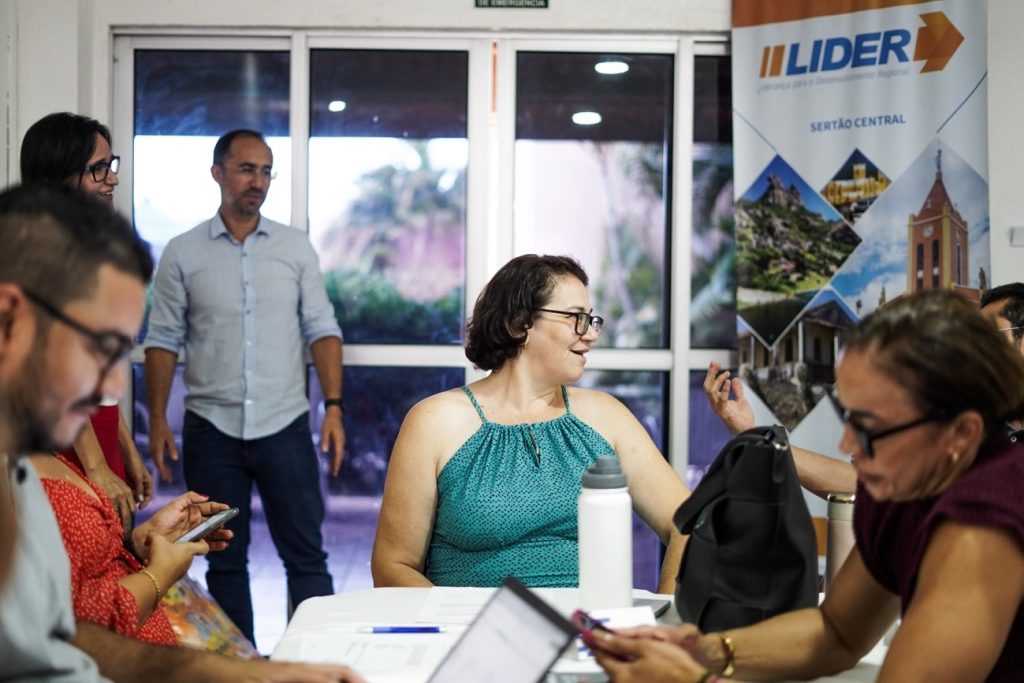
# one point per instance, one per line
(36, 617)
(245, 313)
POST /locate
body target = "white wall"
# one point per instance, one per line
(62, 55)
(1005, 141)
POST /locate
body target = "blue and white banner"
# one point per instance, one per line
(860, 173)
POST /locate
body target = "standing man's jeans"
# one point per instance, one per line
(286, 471)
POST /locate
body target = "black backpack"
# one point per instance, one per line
(752, 551)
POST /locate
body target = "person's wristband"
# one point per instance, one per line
(156, 586)
(708, 677)
(328, 402)
(730, 655)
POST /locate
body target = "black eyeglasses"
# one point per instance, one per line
(111, 346)
(584, 321)
(101, 169)
(867, 439)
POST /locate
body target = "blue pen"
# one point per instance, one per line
(402, 629)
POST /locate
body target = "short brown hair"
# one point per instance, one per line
(508, 305)
(55, 238)
(58, 146)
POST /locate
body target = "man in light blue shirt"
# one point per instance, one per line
(244, 296)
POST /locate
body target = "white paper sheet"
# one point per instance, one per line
(373, 654)
(449, 605)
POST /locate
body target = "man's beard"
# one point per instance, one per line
(244, 210)
(32, 422)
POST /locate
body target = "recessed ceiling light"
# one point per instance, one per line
(586, 118)
(336, 105)
(611, 67)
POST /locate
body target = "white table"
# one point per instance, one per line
(331, 622)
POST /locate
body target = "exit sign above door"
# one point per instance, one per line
(513, 4)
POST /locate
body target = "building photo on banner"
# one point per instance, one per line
(861, 176)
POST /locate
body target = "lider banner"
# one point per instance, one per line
(861, 175)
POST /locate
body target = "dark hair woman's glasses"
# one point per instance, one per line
(101, 169)
(584, 321)
(866, 439)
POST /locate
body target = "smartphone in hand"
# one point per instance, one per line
(588, 624)
(202, 529)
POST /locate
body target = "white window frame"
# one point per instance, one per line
(489, 211)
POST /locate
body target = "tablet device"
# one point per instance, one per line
(658, 605)
(515, 638)
(207, 525)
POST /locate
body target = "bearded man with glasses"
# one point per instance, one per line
(244, 296)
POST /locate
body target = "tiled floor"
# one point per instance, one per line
(349, 527)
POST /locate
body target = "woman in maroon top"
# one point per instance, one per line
(925, 387)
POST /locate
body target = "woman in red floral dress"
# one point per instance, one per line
(109, 585)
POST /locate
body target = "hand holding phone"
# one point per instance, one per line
(588, 624)
(202, 529)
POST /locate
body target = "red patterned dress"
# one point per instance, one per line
(104, 423)
(93, 540)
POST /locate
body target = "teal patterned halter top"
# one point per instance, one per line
(507, 503)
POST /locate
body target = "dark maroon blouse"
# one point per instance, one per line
(892, 537)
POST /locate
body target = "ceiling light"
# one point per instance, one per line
(611, 67)
(336, 105)
(586, 118)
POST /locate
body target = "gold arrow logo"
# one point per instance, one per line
(937, 41)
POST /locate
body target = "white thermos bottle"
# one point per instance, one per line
(606, 537)
(839, 534)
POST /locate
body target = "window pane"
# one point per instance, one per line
(373, 417)
(186, 99)
(175, 418)
(645, 394)
(713, 281)
(387, 190)
(707, 433)
(597, 191)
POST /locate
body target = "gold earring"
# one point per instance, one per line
(954, 456)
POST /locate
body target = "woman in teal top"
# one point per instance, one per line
(483, 480)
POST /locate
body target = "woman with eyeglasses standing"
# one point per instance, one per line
(925, 387)
(483, 479)
(68, 149)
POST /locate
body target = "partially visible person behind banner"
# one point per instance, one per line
(925, 387)
(1004, 305)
